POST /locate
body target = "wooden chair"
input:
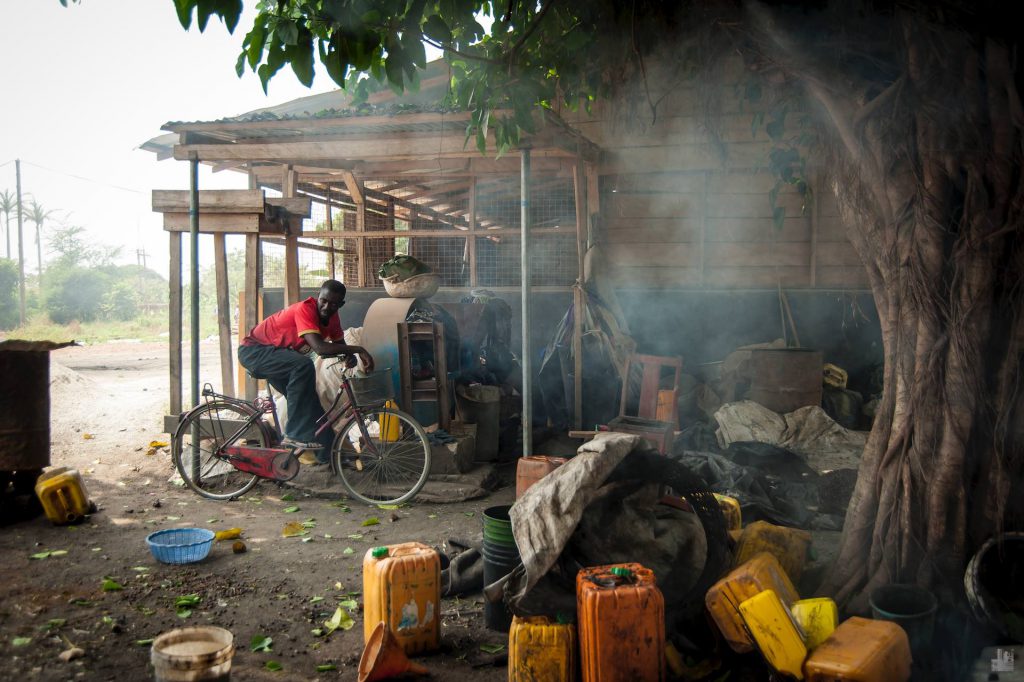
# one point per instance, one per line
(651, 396)
(656, 418)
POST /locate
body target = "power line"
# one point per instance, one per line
(79, 177)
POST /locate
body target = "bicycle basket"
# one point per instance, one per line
(373, 389)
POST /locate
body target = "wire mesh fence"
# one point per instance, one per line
(438, 208)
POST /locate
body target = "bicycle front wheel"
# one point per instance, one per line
(384, 462)
(201, 435)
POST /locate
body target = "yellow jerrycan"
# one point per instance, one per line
(62, 494)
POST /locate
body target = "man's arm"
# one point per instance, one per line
(322, 347)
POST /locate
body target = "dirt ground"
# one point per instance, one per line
(107, 406)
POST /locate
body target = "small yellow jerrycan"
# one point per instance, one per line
(63, 495)
(390, 426)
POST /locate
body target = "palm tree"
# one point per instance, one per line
(8, 204)
(38, 215)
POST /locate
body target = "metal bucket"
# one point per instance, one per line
(784, 379)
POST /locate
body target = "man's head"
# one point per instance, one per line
(331, 298)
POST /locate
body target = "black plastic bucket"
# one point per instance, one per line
(498, 562)
(500, 556)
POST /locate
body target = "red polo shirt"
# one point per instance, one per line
(284, 329)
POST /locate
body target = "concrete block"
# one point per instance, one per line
(453, 458)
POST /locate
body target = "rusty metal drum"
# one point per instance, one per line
(25, 405)
(784, 379)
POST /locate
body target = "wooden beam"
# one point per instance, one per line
(355, 188)
(175, 322)
(213, 223)
(296, 206)
(391, 234)
(210, 201)
(291, 247)
(220, 254)
(382, 148)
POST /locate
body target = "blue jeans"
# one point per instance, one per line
(292, 374)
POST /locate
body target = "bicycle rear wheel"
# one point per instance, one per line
(202, 433)
(391, 465)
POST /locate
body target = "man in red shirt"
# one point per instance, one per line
(277, 350)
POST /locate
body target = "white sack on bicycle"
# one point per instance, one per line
(329, 372)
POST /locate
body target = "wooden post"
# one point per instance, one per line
(471, 243)
(593, 201)
(291, 245)
(220, 254)
(175, 322)
(250, 313)
(361, 243)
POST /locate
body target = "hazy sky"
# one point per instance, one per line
(84, 86)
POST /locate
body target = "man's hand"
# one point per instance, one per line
(367, 361)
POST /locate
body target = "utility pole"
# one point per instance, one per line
(21, 242)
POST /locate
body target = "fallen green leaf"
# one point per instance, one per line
(184, 613)
(144, 642)
(272, 665)
(48, 553)
(342, 506)
(372, 521)
(355, 536)
(492, 648)
(315, 600)
(350, 604)
(431, 516)
(212, 520)
(97, 549)
(173, 518)
(327, 537)
(107, 620)
(309, 523)
(348, 550)
(140, 569)
(388, 506)
(307, 539)
(317, 632)
(260, 643)
(146, 611)
(111, 585)
(290, 510)
(54, 623)
(470, 514)
(21, 641)
(326, 667)
(340, 619)
(187, 600)
(287, 497)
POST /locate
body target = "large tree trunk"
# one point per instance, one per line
(930, 189)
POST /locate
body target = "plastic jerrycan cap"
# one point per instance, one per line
(379, 552)
(621, 572)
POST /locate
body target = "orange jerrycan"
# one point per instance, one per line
(540, 650)
(621, 616)
(62, 494)
(861, 650)
(402, 588)
(762, 572)
(789, 545)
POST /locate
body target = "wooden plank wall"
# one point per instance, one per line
(685, 209)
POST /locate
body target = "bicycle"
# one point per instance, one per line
(223, 446)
